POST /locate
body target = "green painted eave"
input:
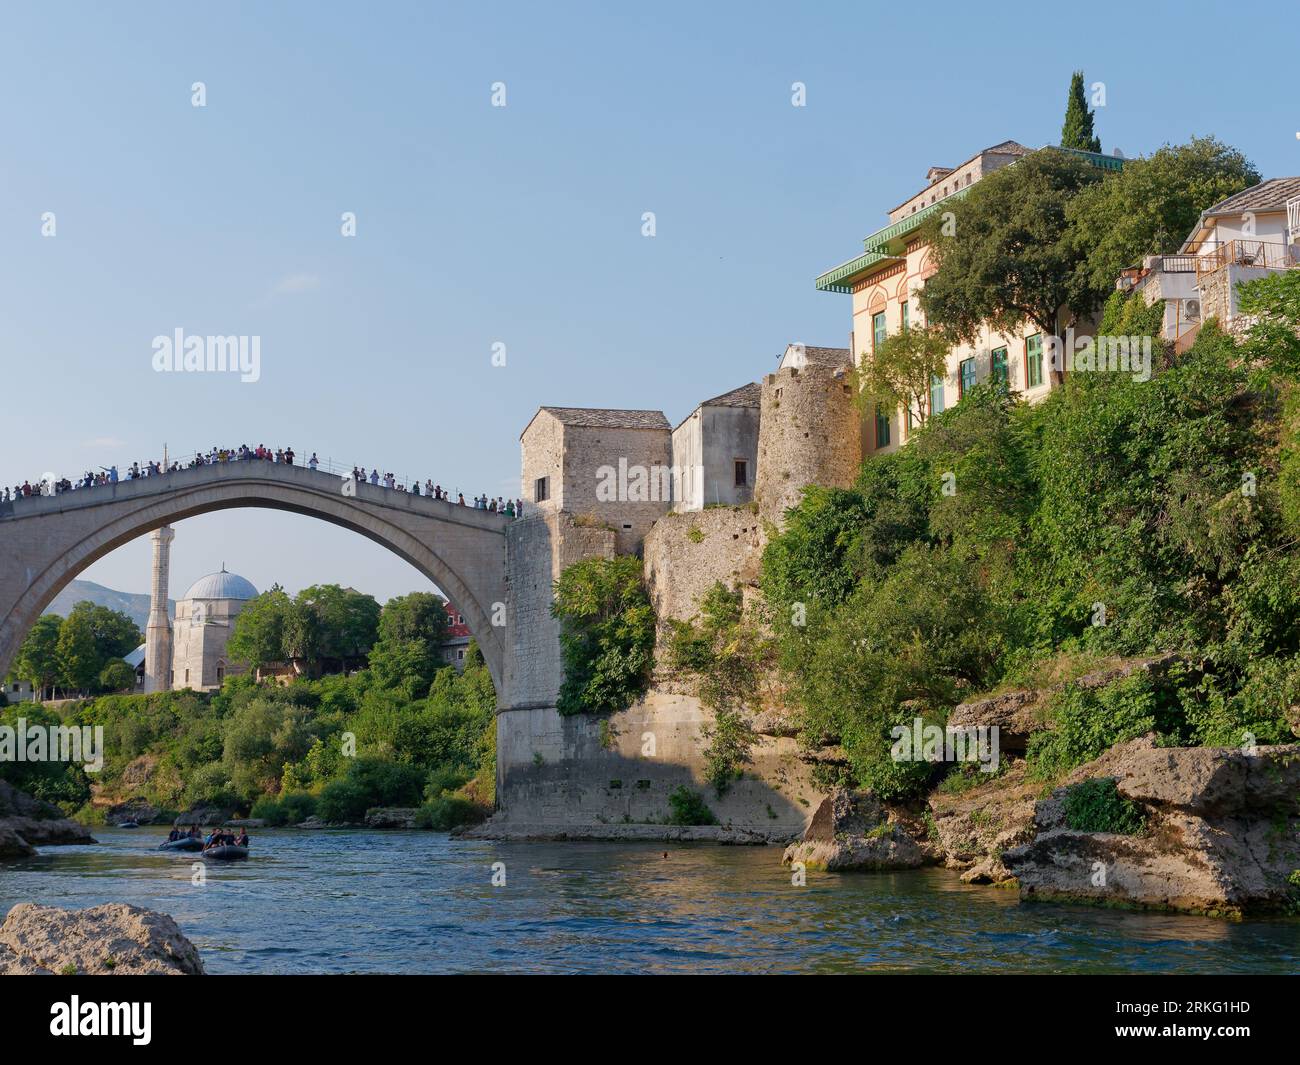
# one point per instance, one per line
(836, 279)
(876, 246)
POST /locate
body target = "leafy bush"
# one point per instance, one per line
(446, 813)
(687, 807)
(370, 782)
(607, 635)
(1097, 806)
(290, 809)
(1111, 518)
(730, 739)
(1087, 722)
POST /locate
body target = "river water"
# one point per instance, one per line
(417, 902)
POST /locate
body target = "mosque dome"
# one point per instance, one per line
(221, 585)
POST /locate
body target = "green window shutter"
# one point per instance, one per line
(907, 315)
(882, 430)
(1034, 360)
(967, 377)
(999, 367)
(878, 333)
(936, 394)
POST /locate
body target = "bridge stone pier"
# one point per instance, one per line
(46, 541)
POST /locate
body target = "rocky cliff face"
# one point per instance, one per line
(113, 939)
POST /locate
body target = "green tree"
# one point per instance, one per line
(301, 634)
(78, 655)
(116, 676)
(901, 371)
(1274, 338)
(1009, 256)
(348, 620)
(258, 635)
(607, 634)
(407, 654)
(417, 616)
(1076, 132)
(38, 657)
(1151, 206)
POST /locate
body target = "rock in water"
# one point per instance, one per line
(113, 939)
(976, 826)
(391, 817)
(12, 845)
(1222, 833)
(33, 823)
(854, 830)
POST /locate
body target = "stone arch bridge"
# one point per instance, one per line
(46, 541)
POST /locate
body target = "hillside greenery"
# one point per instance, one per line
(1116, 517)
(335, 747)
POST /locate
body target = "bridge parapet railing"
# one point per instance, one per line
(327, 467)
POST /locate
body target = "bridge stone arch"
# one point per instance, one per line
(45, 542)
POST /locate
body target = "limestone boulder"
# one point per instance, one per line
(391, 817)
(57, 832)
(35, 823)
(975, 827)
(1015, 714)
(1222, 833)
(137, 810)
(1019, 714)
(205, 813)
(853, 830)
(115, 938)
(12, 845)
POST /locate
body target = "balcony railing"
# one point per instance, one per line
(1178, 264)
(1256, 253)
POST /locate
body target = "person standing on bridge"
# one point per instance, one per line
(288, 456)
(374, 476)
(313, 462)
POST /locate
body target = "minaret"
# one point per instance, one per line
(158, 633)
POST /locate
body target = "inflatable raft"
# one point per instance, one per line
(186, 843)
(226, 853)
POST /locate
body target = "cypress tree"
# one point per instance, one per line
(1077, 130)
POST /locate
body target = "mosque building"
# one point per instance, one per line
(191, 652)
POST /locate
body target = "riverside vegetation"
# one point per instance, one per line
(403, 731)
(1011, 546)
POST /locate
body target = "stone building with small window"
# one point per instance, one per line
(715, 451)
(603, 467)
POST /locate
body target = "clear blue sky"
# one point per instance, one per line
(519, 225)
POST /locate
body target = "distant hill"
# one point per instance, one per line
(134, 605)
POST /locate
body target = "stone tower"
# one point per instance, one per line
(158, 631)
(809, 432)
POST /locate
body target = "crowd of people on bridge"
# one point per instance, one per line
(511, 507)
(109, 475)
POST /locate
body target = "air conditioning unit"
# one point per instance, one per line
(1191, 310)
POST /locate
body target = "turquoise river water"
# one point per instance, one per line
(418, 902)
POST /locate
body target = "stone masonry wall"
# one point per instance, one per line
(538, 548)
(588, 449)
(569, 772)
(809, 433)
(686, 553)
